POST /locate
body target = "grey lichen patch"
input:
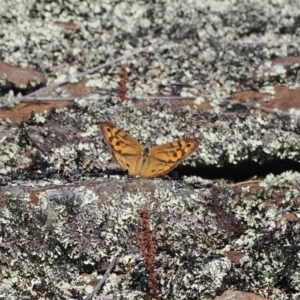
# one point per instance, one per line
(206, 58)
(78, 226)
(39, 119)
(247, 138)
(270, 242)
(8, 100)
(69, 139)
(211, 56)
(11, 152)
(69, 230)
(275, 256)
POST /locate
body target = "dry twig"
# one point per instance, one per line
(101, 282)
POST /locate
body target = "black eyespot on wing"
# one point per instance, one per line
(174, 154)
(118, 143)
(188, 145)
(108, 129)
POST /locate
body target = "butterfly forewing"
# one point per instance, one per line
(119, 140)
(163, 158)
(175, 151)
(125, 149)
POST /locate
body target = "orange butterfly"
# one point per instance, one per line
(145, 161)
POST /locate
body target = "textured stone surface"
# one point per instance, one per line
(65, 211)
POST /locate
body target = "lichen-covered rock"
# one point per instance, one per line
(53, 232)
(64, 212)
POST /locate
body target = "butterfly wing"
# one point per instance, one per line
(164, 158)
(125, 149)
